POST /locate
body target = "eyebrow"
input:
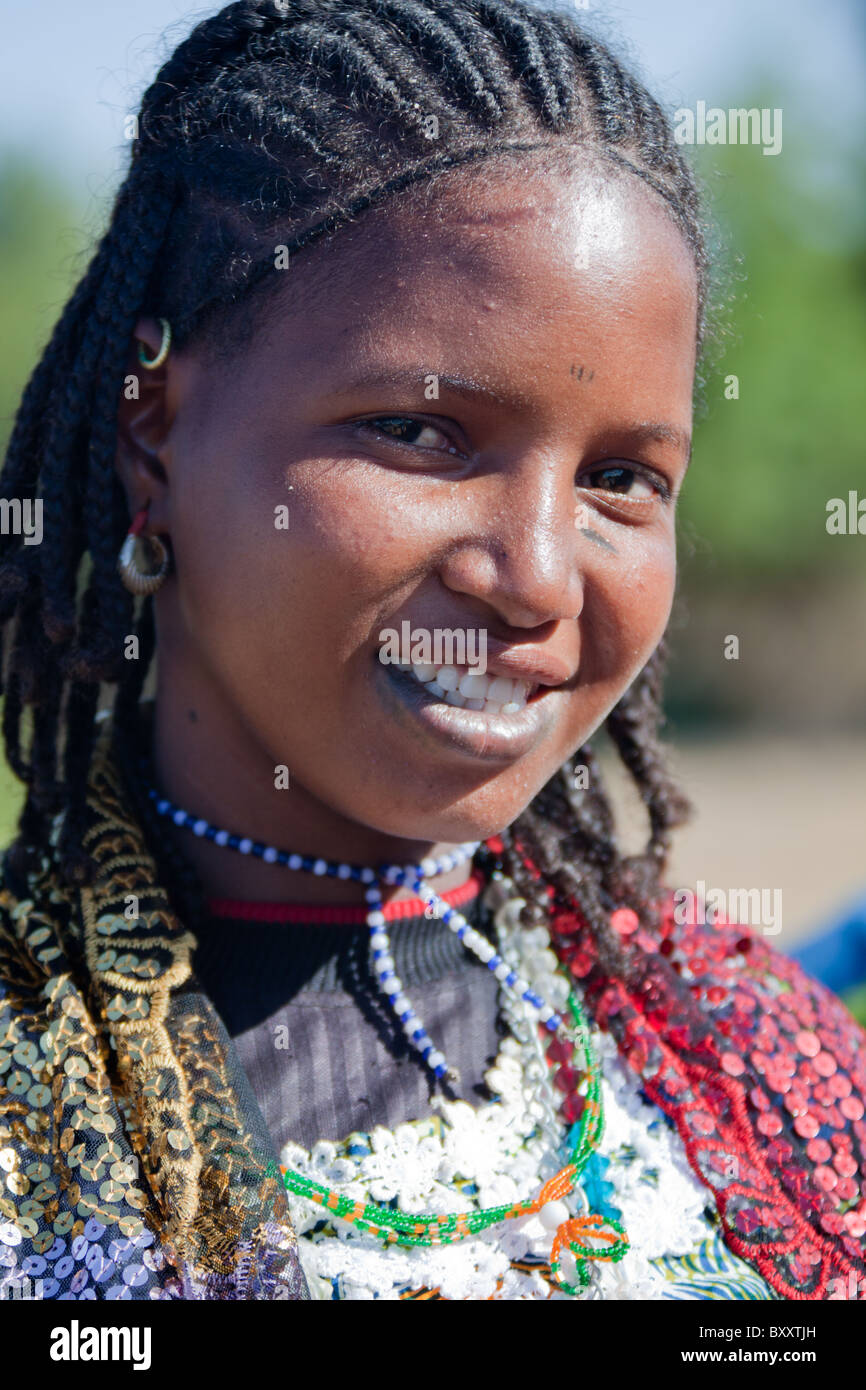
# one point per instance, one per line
(646, 431)
(414, 376)
(649, 431)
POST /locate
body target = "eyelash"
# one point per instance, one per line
(648, 475)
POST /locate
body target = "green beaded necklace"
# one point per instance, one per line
(411, 1229)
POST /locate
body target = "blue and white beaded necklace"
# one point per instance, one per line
(413, 876)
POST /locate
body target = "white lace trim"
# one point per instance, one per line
(504, 1149)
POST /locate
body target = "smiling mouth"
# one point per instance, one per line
(464, 688)
(470, 720)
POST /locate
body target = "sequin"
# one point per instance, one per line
(769, 1124)
(844, 1163)
(806, 1125)
(825, 1177)
(838, 1085)
(778, 1081)
(798, 1097)
(824, 1064)
(733, 1064)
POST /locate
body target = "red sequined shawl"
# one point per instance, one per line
(763, 1072)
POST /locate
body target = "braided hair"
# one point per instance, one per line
(281, 121)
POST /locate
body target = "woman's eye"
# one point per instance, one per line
(402, 429)
(623, 481)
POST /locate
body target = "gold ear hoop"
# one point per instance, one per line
(151, 364)
(136, 579)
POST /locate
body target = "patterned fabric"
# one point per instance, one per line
(711, 1271)
(125, 1114)
(136, 1163)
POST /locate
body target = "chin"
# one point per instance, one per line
(463, 820)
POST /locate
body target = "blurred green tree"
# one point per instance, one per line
(765, 464)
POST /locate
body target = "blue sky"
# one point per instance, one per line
(72, 69)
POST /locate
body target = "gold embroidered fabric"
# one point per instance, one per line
(134, 1161)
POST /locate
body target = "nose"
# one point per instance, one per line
(520, 551)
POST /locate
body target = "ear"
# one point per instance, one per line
(144, 419)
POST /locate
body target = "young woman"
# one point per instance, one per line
(322, 972)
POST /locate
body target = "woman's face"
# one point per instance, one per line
(477, 418)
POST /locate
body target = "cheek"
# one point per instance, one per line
(279, 608)
(627, 607)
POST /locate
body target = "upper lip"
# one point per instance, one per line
(529, 664)
(523, 662)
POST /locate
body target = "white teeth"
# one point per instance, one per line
(424, 673)
(467, 689)
(474, 687)
(501, 689)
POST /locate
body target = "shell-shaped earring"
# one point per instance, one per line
(136, 579)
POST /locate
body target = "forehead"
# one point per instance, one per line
(498, 264)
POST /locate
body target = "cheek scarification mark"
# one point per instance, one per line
(599, 539)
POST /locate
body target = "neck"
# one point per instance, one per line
(228, 783)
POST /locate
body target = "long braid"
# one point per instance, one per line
(280, 123)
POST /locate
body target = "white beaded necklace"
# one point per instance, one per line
(413, 876)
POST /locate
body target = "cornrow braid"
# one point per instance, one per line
(570, 836)
(280, 123)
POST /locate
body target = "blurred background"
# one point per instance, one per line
(771, 746)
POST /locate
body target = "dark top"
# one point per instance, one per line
(323, 1051)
